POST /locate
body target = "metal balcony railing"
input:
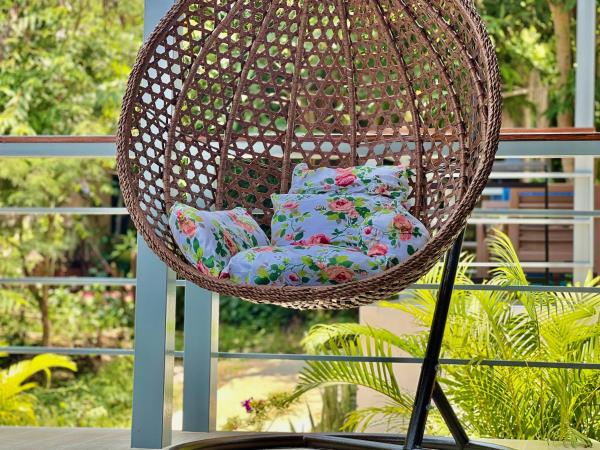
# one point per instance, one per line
(155, 283)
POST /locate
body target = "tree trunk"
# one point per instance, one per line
(537, 96)
(42, 301)
(561, 17)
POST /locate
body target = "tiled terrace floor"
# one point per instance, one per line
(26, 438)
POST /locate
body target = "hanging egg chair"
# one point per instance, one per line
(227, 96)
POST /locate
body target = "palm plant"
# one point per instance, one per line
(500, 402)
(16, 404)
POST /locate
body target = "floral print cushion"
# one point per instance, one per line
(208, 239)
(391, 181)
(306, 265)
(374, 224)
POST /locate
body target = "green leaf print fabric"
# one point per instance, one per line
(208, 239)
(306, 265)
(375, 224)
(391, 181)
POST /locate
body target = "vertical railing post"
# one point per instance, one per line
(154, 351)
(583, 235)
(154, 326)
(201, 337)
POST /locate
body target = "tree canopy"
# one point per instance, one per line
(64, 63)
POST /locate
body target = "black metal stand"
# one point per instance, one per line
(427, 381)
(428, 389)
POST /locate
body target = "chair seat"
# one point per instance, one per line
(310, 265)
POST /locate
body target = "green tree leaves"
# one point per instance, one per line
(63, 64)
(499, 402)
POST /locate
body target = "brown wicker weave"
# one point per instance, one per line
(227, 96)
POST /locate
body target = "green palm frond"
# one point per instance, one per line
(322, 336)
(391, 417)
(16, 406)
(378, 376)
(12, 379)
(500, 402)
(423, 301)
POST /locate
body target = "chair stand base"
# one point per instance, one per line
(428, 391)
(339, 441)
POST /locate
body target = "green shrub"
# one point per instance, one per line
(17, 386)
(246, 326)
(100, 399)
(497, 402)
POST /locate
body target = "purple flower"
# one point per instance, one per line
(247, 404)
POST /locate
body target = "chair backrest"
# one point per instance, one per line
(238, 92)
(226, 96)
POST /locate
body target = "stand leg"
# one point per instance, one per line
(427, 379)
(456, 429)
(427, 390)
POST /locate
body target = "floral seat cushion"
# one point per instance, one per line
(208, 239)
(375, 224)
(392, 181)
(306, 265)
(335, 226)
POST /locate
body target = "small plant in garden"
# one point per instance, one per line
(259, 414)
(500, 402)
(99, 399)
(17, 405)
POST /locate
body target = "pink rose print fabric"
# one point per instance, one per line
(374, 224)
(335, 226)
(306, 265)
(208, 239)
(391, 181)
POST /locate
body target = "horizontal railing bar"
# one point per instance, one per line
(69, 139)
(74, 351)
(104, 147)
(547, 149)
(533, 265)
(534, 212)
(83, 351)
(29, 350)
(407, 360)
(526, 221)
(506, 134)
(66, 210)
(68, 149)
(69, 281)
(530, 288)
(112, 210)
(517, 175)
(482, 218)
(108, 281)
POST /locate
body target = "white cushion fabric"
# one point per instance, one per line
(375, 224)
(391, 181)
(208, 239)
(302, 265)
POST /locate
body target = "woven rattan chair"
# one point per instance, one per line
(227, 96)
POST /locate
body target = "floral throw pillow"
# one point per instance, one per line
(374, 224)
(302, 265)
(391, 181)
(208, 239)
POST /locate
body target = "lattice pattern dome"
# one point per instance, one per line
(227, 96)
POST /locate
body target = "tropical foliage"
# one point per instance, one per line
(63, 64)
(63, 67)
(500, 402)
(260, 414)
(93, 399)
(17, 405)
